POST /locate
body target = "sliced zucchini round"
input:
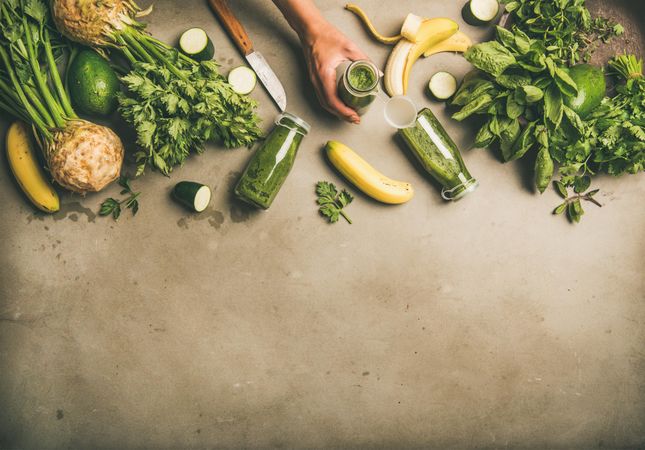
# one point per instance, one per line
(194, 196)
(442, 85)
(196, 44)
(480, 12)
(242, 80)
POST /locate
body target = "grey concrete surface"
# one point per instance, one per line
(487, 323)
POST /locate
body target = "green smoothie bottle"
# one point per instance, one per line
(358, 85)
(272, 162)
(439, 155)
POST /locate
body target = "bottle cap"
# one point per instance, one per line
(304, 126)
(460, 190)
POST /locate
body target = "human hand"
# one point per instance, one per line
(325, 49)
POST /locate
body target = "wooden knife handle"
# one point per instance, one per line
(233, 26)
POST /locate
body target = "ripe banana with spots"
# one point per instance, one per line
(23, 160)
(365, 177)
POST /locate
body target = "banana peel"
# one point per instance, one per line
(458, 42)
(389, 40)
(432, 32)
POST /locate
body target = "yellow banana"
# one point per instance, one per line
(365, 177)
(432, 32)
(23, 161)
(406, 53)
(393, 78)
(458, 42)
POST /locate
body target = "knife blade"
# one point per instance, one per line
(260, 66)
(268, 78)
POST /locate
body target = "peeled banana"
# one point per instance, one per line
(21, 153)
(411, 27)
(365, 177)
(419, 36)
(406, 52)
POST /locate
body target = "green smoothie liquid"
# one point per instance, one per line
(358, 86)
(272, 162)
(438, 154)
(361, 78)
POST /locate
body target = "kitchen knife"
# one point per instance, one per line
(255, 59)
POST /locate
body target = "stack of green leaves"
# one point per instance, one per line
(521, 93)
(566, 27)
(617, 128)
(176, 105)
(522, 88)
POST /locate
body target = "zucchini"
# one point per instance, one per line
(242, 80)
(196, 44)
(194, 196)
(480, 12)
(442, 86)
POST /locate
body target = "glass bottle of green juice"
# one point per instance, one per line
(270, 165)
(358, 85)
(439, 155)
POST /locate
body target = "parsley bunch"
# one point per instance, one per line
(176, 105)
(613, 139)
(618, 127)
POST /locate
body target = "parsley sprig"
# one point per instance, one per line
(332, 202)
(113, 206)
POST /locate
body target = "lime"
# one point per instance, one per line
(93, 84)
(591, 89)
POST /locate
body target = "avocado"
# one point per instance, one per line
(93, 84)
(591, 89)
